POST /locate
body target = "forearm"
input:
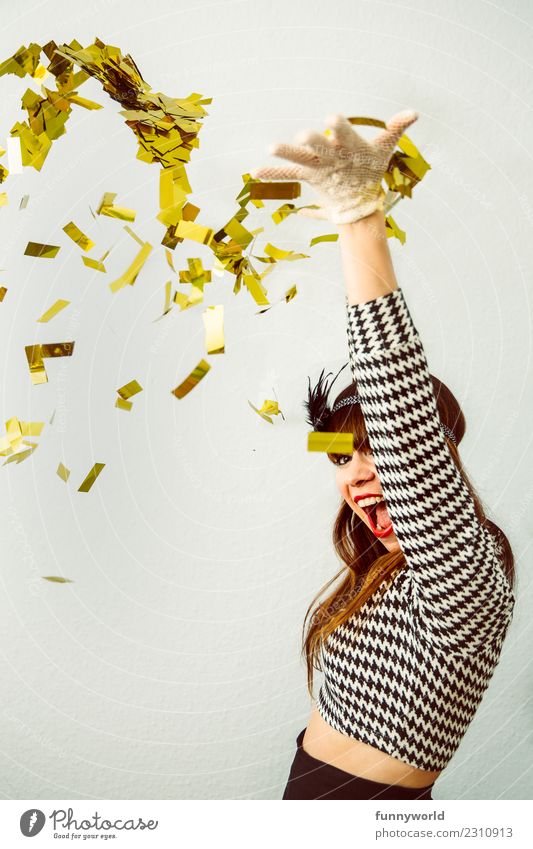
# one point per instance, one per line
(366, 260)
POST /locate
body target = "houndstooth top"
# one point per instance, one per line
(407, 673)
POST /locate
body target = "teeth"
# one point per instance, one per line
(366, 502)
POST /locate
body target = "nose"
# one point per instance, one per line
(359, 471)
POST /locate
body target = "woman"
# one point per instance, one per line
(411, 636)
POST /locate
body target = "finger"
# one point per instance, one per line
(319, 213)
(396, 127)
(290, 172)
(302, 155)
(343, 131)
(316, 141)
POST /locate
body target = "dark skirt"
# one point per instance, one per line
(310, 778)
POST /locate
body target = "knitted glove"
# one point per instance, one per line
(345, 170)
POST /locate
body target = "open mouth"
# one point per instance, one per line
(378, 517)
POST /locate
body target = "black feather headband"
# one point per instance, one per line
(319, 411)
(316, 403)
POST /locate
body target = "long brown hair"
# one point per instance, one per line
(367, 567)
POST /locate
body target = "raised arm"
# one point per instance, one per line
(460, 594)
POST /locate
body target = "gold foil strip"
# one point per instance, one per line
(331, 443)
(130, 275)
(192, 380)
(214, 329)
(63, 472)
(57, 579)
(279, 254)
(53, 310)
(39, 250)
(97, 264)
(123, 405)
(35, 354)
(256, 289)
(78, 237)
(129, 390)
(268, 409)
(291, 293)
(327, 237)
(272, 191)
(24, 201)
(109, 208)
(392, 229)
(11, 445)
(83, 102)
(168, 300)
(3, 292)
(196, 232)
(91, 477)
(3, 199)
(134, 235)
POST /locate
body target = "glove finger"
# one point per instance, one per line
(290, 172)
(343, 131)
(318, 142)
(320, 213)
(396, 126)
(302, 155)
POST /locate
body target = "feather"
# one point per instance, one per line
(316, 403)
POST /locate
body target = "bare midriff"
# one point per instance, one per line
(325, 743)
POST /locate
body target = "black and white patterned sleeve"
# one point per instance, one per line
(460, 595)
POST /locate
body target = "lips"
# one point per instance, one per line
(369, 513)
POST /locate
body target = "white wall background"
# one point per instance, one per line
(170, 667)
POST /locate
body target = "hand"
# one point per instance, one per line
(345, 170)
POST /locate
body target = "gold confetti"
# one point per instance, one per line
(63, 472)
(78, 237)
(56, 579)
(35, 354)
(125, 392)
(291, 293)
(12, 445)
(168, 255)
(83, 102)
(196, 232)
(134, 235)
(166, 127)
(53, 311)
(287, 209)
(24, 201)
(39, 250)
(91, 477)
(3, 199)
(97, 264)
(192, 380)
(168, 300)
(279, 254)
(272, 191)
(131, 273)
(256, 289)
(328, 237)
(268, 409)
(214, 329)
(3, 292)
(107, 207)
(392, 229)
(331, 443)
